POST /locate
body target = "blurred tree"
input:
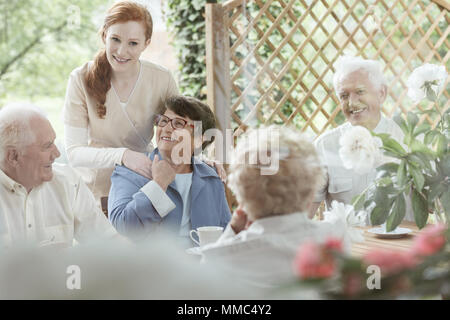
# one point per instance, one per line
(42, 41)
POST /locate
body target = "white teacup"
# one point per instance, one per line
(206, 234)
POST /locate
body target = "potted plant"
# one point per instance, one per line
(417, 168)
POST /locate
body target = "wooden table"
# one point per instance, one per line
(373, 242)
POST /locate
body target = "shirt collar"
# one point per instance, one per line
(279, 222)
(200, 168)
(9, 183)
(382, 125)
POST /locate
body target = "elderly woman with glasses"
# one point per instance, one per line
(184, 193)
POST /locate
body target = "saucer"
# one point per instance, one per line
(380, 232)
(194, 251)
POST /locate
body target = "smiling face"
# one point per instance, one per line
(124, 44)
(360, 99)
(34, 163)
(167, 138)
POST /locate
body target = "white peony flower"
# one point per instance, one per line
(359, 150)
(341, 212)
(428, 75)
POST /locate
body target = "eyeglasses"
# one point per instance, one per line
(176, 123)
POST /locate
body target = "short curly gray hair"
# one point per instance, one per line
(291, 188)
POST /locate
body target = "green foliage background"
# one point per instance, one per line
(40, 44)
(186, 22)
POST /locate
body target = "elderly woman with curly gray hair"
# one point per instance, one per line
(261, 240)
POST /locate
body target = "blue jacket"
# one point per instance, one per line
(132, 213)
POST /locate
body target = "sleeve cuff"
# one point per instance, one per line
(160, 200)
(227, 233)
(119, 158)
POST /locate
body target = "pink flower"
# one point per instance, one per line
(430, 240)
(390, 261)
(353, 284)
(315, 261)
(333, 244)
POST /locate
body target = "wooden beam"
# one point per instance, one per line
(218, 81)
(443, 3)
(231, 4)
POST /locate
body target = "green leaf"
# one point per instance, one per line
(384, 182)
(420, 208)
(385, 173)
(443, 165)
(401, 123)
(445, 200)
(367, 203)
(431, 95)
(420, 160)
(417, 146)
(436, 189)
(358, 201)
(412, 120)
(401, 174)
(382, 196)
(389, 167)
(397, 213)
(378, 215)
(441, 144)
(389, 153)
(424, 127)
(417, 175)
(382, 136)
(393, 146)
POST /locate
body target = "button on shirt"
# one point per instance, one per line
(57, 211)
(343, 184)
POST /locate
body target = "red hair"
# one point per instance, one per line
(98, 77)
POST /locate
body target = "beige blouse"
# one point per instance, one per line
(94, 145)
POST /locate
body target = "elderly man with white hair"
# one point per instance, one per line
(41, 203)
(362, 90)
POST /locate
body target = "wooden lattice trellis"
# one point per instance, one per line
(271, 61)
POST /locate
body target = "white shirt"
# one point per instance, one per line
(263, 254)
(184, 183)
(343, 184)
(57, 211)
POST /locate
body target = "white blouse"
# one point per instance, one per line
(94, 145)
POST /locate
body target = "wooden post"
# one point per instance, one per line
(444, 4)
(218, 72)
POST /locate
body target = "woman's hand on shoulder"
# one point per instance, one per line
(219, 168)
(138, 162)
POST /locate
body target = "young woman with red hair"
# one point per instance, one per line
(111, 101)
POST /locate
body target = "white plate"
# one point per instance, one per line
(397, 233)
(194, 251)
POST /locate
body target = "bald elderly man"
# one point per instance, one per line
(41, 203)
